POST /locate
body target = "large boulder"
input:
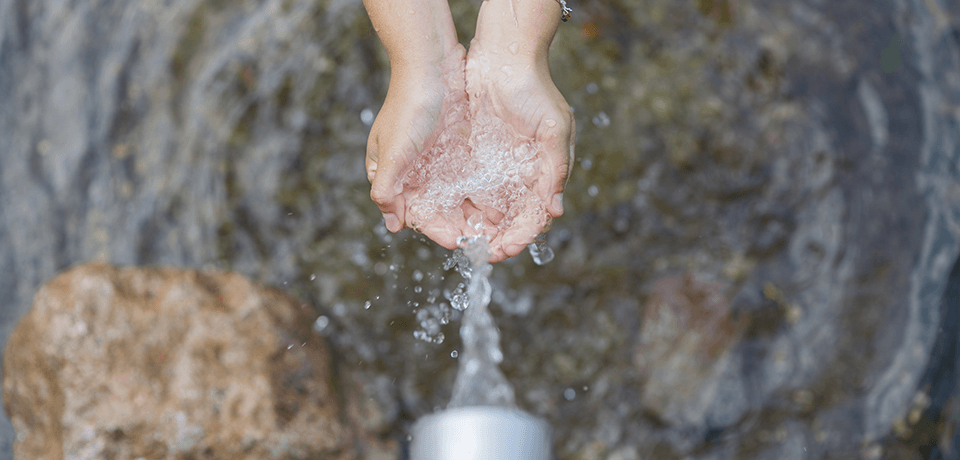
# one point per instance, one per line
(163, 363)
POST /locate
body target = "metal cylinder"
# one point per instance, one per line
(480, 433)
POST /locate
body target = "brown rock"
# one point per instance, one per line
(169, 364)
(685, 340)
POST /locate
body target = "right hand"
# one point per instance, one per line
(421, 102)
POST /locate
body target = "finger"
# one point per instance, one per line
(386, 191)
(515, 239)
(443, 233)
(522, 232)
(558, 143)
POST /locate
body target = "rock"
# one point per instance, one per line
(685, 343)
(163, 363)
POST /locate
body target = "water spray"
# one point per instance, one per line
(482, 421)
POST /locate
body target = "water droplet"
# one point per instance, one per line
(514, 48)
(507, 70)
(417, 289)
(540, 252)
(366, 305)
(320, 324)
(585, 388)
(586, 164)
(454, 354)
(313, 277)
(409, 438)
(570, 394)
(601, 120)
(551, 122)
(366, 116)
(417, 275)
(592, 88)
(593, 190)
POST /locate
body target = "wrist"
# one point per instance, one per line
(424, 58)
(520, 31)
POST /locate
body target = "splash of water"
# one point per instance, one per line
(539, 251)
(479, 379)
(478, 160)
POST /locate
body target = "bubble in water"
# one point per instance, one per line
(431, 326)
(570, 394)
(454, 354)
(459, 301)
(593, 190)
(417, 289)
(592, 88)
(586, 164)
(417, 275)
(366, 305)
(313, 277)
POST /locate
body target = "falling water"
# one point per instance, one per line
(479, 379)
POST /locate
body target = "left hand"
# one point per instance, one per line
(518, 89)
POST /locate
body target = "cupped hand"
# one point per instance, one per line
(422, 101)
(518, 90)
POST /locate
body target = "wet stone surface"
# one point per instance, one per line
(172, 363)
(802, 155)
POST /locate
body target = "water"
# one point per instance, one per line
(479, 379)
(540, 252)
(478, 162)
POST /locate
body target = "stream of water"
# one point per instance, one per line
(479, 379)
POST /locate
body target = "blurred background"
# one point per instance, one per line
(758, 257)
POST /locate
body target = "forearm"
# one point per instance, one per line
(522, 28)
(417, 34)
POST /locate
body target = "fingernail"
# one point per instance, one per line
(558, 202)
(392, 222)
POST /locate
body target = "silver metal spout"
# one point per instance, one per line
(480, 433)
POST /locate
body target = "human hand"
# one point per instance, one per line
(515, 86)
(422, 101)
(424, 130)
